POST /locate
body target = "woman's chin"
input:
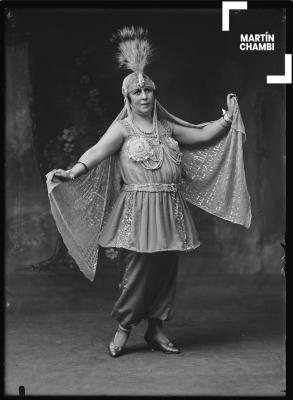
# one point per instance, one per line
(145, 110)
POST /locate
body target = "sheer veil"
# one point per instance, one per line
(213, 178)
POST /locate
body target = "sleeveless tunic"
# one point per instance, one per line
(150, 214)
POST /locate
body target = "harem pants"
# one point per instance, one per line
(147, 286)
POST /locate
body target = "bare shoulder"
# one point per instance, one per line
(119, 128)
(177, 131)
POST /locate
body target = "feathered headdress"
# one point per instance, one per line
(134, 51)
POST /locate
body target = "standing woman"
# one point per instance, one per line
(129, 191)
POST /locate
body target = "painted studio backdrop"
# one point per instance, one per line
(63, 89)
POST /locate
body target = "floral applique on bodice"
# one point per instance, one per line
(150, 215)
(150, 150)
(147, 158)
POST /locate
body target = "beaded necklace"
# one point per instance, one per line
(144, 132)
(154, 133)
(145, 142)
(148, 148)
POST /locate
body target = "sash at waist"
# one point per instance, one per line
(150, 187)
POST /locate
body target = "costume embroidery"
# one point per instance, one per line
(214, 177)
(179, 219)
(148, 150)
(139, 148)
(166, 126)
(150, 187)
(125, 230)
(123, 237)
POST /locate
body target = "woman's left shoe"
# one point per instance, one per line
(115, 351)
(153, 344)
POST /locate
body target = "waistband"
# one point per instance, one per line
(150, 187)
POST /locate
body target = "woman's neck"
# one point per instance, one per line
(142, 119)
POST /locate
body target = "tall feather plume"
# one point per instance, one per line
(134, 48)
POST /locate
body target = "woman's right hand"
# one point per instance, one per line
(62, 175)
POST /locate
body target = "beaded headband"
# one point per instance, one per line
(133, 82)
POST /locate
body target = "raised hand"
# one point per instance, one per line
(231, 104)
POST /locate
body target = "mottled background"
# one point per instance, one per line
(61, 77)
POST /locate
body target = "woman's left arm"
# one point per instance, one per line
(186, 135)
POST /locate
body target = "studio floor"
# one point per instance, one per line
(230, 328)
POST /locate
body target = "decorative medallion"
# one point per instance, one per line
(139, 148)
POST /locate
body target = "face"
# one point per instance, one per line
(142, 100)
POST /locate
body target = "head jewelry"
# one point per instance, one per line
(134, 53)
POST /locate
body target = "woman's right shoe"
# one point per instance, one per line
(114, 350)
(169, 348)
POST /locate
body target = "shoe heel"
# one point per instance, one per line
(113, 350)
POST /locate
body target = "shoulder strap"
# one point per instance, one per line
(166, 126)
(127, 126)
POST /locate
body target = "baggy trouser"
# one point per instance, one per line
(147, 286)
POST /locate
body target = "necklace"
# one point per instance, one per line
(142, 131)
(153, 135)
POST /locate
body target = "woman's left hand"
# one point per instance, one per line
(231, 104)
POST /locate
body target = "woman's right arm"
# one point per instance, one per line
(109, 143)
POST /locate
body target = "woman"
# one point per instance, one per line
(149, 219)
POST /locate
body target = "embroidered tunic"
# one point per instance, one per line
(152, 217)
(150, 214)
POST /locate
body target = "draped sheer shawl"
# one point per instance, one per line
(213, 178)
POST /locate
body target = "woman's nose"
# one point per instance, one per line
(143, 94)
